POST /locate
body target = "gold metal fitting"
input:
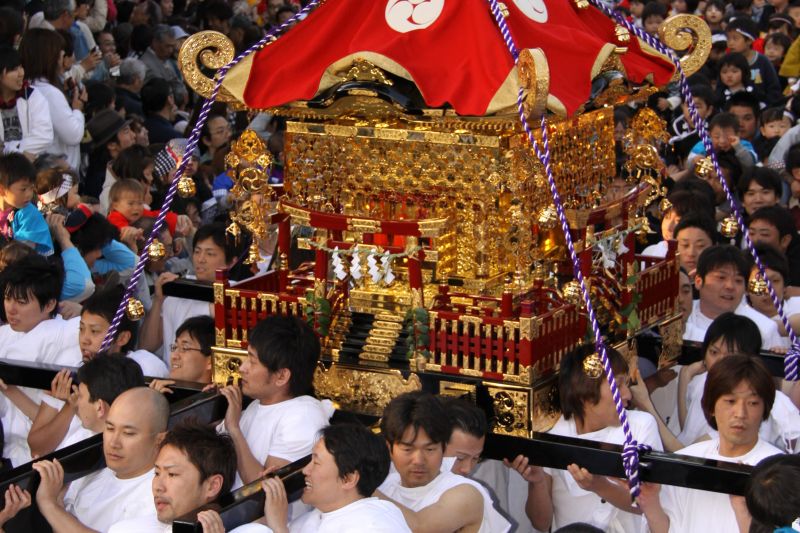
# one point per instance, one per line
(593, 366)
(156, 251)
(757, 286)
(571, 292)
(186, 187)
(704, 167)
(729, 227)
(134, 309)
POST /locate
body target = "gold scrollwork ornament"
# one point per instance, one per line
(211, 49)
(681, 32)
(534, 77)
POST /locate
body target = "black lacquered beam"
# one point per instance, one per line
(246, 504)
(204, 408)
(190, 289)
(606, 459)
(27, 374)
(693, 351)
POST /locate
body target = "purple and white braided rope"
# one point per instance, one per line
(631, 448)
(191, 145)
(790, 362)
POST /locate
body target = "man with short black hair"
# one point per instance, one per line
(720, 279)
(194, 466)
(417, 430)
(774, 226)
(468, 435)
(282, 424)
(158, 105)
(738, 396)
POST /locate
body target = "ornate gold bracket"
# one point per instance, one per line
(211, 49)
(681, 32)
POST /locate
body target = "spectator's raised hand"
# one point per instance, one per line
(91, 60)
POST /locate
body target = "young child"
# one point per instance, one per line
(774, 123)
(713, 14)
(792, 163)
(653, 15)
(19, 218)
(734, 77)
(741, 32)
(126, 206)
(775, 47)
(684, 134)
(724, 132)
(57, 190)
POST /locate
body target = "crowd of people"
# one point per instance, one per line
(95, 119)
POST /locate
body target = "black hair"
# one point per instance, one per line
(778, 216)
(132, 162)
(416, 410)
(739, 332)
(209, 452)
(9, 59)
(155, 94)
(744, 99)
(685, 202)
(773, 493)
(696, 185)
(653, 9)
(792, 158)
(743, 24)
(11, 25)
(216, 231)
(704, 92)
(201, 329)
(16, 167)
(106, 376)
(579, 527)
(737, 60)
(697, 220)
(287, 342)
(771, 114)
(96, 233)
(104, 303)
(219, 10)
(780, 39)
(773, 259)
(356, 449)
(721, 255)
(466, 416)
(724, 120)
(576, 388)
(32, 275)
(766, 177)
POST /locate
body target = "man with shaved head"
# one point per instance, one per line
(133, 428)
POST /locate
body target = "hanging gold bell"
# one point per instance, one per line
(547, 217)
(704, 167)
(757, 286)
(593, 366)
(729, 227)
(156, 251)
(253, 255)
(134, 309)
(665, 205)
(234, 230)
(571, 292)
(186, 187)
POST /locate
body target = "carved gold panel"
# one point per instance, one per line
(362, 391)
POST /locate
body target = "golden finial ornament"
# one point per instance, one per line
(134, 309)
(593, 366)
(234, 230)
(571, 292)
(156, 251)
(253, 255)
(665, 205)
(757, 286)
(729, 227)
(186, 187)
(547, 217)
(704, 167)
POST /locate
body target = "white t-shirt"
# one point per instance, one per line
(46, 343)
(174, 312)
(658, 249)
(152, 365)
(368, 514)
(101, 499)
(698, 511)
(781, 429)
(286, 430)
(697, 324)
(141, 524)
(573, 504)
(418, 498)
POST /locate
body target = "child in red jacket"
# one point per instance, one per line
(126, 206)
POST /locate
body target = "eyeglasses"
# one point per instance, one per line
(175, 347)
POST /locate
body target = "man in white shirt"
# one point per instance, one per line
(136, 422)
(562, 497)
(281, 425)
(738, 396)
(721, 274)
(60, 423)
(193, 467)
(417, 429)
(347, 465)
(33, 333)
